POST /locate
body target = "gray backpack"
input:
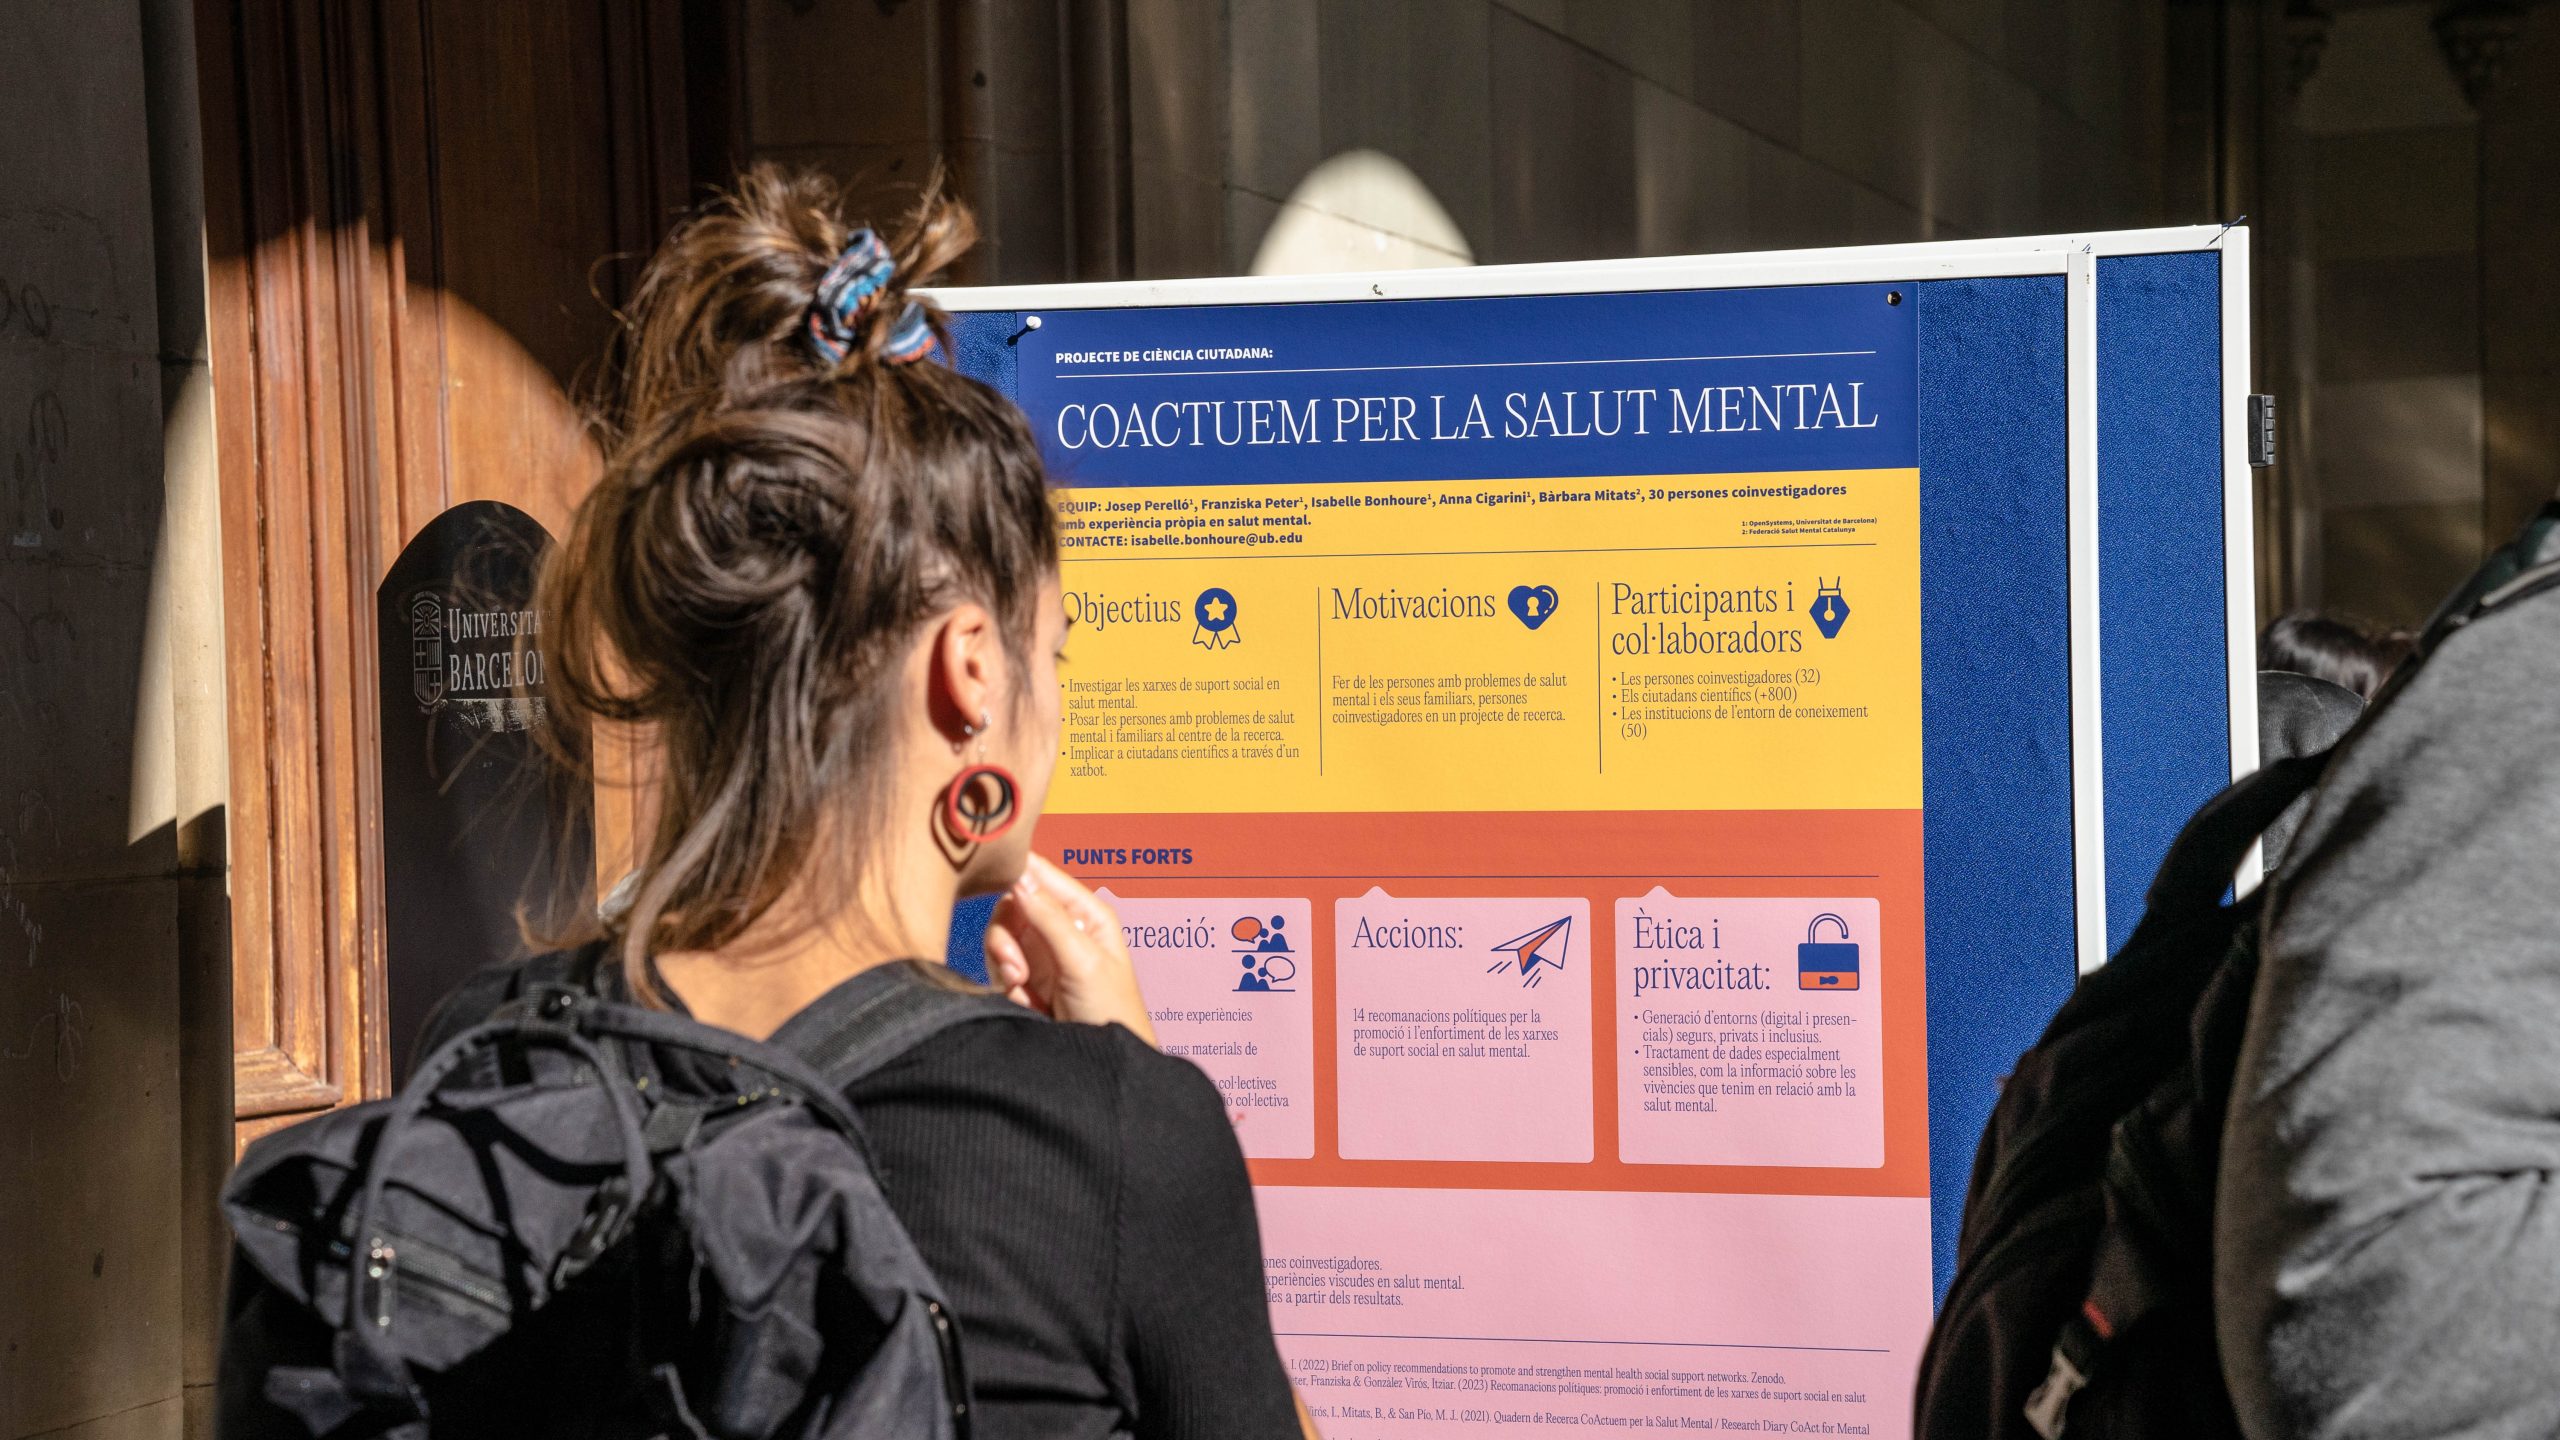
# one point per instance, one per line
(585, 1218)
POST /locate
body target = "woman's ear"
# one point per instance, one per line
(965, 671)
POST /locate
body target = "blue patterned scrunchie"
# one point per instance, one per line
(849, 288)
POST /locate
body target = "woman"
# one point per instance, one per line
(819, 577)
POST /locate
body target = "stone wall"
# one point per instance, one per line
(1584, 129)
(2520, 276)
(2390, 150)
(110, 728)
(1374, 133)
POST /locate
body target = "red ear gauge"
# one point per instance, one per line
(981, 804)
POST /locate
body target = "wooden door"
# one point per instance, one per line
(418, 213)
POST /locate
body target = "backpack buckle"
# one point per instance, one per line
(554, 1005)
(597, 1230)
(2076, 1352)
(2052, 1399)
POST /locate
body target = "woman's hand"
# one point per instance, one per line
(1055, 947)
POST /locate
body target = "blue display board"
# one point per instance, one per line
(2084, 621)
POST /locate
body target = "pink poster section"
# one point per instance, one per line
(1410, 1313)
(1546, 1163)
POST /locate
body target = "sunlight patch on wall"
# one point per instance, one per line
(1361, 210)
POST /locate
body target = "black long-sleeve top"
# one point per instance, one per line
(1084, 1203)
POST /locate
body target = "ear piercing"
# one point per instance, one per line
(980, 804)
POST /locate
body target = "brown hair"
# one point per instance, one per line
(771, 532)
(2332, 648)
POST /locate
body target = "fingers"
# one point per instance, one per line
(1072, 895)
(1025, 971)
(1046, 922)
(1064, 946)
(1007, 967)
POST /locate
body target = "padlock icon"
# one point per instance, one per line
(1827, 964)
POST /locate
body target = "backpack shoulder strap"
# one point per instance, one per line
(879, 1016)
(2217, 837)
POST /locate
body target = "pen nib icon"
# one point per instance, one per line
(1535, 952)
(1829, 611)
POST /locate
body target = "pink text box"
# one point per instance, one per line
(1449, 1046)
(1228, 983)
(1742, 1046)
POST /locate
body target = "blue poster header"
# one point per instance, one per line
(1683, 382)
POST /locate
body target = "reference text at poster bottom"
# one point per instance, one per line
(1411, 1313)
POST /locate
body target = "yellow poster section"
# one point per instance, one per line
(1642, 643)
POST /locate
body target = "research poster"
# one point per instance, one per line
(1497, 722)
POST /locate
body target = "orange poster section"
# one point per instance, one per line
(1606, 857)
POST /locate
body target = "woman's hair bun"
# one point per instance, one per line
(783, 508)
(772, 280)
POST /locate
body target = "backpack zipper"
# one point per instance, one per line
(955, 1383)
(436, 1276)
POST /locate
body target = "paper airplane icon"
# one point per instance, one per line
(1545, 946)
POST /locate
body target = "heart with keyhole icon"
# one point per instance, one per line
(1533, 603)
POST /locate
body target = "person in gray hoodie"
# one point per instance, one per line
(2387, 1227)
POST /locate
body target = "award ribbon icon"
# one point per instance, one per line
(1214, 617)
